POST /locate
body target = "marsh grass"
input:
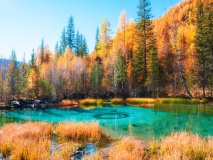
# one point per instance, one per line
(117, 101)
(84, 132)
(64, 150)
(30, 140)
(176, 146)
(140, 101)
(91, 102)
(185, 146)
(178, 101)
(127, 148)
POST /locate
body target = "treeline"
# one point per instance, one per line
(169, 56)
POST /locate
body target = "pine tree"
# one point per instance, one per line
(42, 50)
(71, 34)
(2, 82)
(121, 74)
(200, 47)
(96, 39)
(23, 75)
(63, 42)
(145, 43)
(204, 45)
(57, 52)
(154, 73)
(96, 76)
(32, 59)
(83, 48)
(78, 43)
(12, 76)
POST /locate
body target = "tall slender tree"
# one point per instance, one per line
(71, 34)
(78, 43)
(12, 75)
(146, 42)
(96, 39)
(63, 41)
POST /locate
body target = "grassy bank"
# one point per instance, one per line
(138, 101)
(91, 102)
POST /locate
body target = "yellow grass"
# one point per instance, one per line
(138, 101)
(30, 140)
(65, 151)
(185, 146)
(177, 146)
(117, 101)
(89, 102)
(79, 131)
(128, 149)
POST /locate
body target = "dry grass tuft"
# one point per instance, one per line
(64, 151)
(79, 131)
(128, 149)
(30, 140)
(185, 146)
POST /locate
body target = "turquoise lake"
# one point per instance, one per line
(152, 121)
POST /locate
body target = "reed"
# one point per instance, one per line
(90, 102)
(128, 148)
(31, 149)
(140, 101)
(117, 101)
(26, 140)
(64, 151)
(186, 146)
(178, 101)
(79, 131)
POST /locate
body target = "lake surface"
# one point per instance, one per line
(148, 122)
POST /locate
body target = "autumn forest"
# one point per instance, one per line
(171, 56)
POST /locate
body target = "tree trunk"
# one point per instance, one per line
(179, 64)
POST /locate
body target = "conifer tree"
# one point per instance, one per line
(96, 39)
(96, 76)
(71, 34)
(146, 43)
(78, 44)
(12, 76)
(121, 74)
(63, 42)
(204, 45)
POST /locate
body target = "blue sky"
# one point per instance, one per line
(23, 23)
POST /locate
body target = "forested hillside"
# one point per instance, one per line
(169, 56)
